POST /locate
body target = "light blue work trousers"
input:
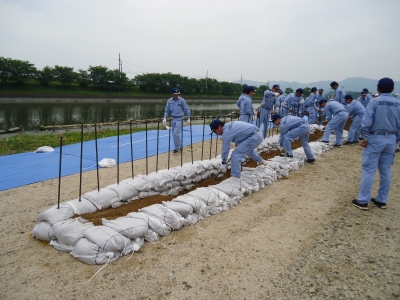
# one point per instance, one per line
(303, 133)
(379, 154)
(354, 130)
(264, 119)
(246, 118)
(312, 115)
(337, 123)
(177, 132)
(246, 147)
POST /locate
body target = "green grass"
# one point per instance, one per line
(28, 143)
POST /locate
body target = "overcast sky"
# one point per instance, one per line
(293, 40)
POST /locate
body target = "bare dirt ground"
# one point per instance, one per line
(301, 239)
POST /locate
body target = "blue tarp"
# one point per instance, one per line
(26, 168)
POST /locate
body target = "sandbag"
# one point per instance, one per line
(166, 215)
(182, 208)
(88, 252)
(55, 214)
(199, 207)
(102, 199)
(154, 223)
(106, 238)
(41, 231)
(124, 191)
(139, 183)
(128, 226)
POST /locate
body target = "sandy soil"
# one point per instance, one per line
(299, 240)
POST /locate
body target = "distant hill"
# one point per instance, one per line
(355, 84)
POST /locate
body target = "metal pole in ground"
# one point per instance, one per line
(118, 152)
(169, 142)
(59, 173)
(210, 146)
(147, 153)
(202, 142)
(130, 136)
(191, 139)
(80, 168)
(97, 156)
(158, 142)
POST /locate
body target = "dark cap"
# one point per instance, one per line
(314, 89)
(321, 90)
(347, 97)
(175, 91)
(215, 124)
(249, 89)
(322, 101)
(275, 117)
(276, 86)
(300, 90)
(333, 83)
(386, 83)
(365, 90)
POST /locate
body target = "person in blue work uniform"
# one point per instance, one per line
(380, 130)
(177, 108)
(321, 112)
(293, 104)
(291, 128)
(337, 116)
(246, 136)
(279, 102)
(339, 92)
(310, 104)
(355, 109)
(363, 99)
(245, 104)
(266, 105)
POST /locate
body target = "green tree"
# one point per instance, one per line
(306, 92)
(21, 71)
(45, 76)
(100, 76)
(65, 75)
(83, 78)
(288, 91)
(5, 69)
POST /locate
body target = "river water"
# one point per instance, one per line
(31, 114)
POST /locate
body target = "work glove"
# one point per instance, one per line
(164, 122)
(302, 101)
(282, 104)
(222, 168)
(188, 120)
(276, 94)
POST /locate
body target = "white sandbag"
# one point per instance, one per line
(69, 231)
(155, 224)
(198, 179)
(166, 215)
(207, 174)
(44, 149)
(207, 165)
(175, 173)
(151, 181)
(139, 183)
(124, 191)
(106, 238)
(216, 162)
(229, 189)
(55, 214)
(191, 220)
(41, 231)
(147, 194)
(214, 210)
(151, 236)
(134, 246)
(199, 207)
(60, 246)
(102, 199)
(197, 166)
(107, 163)
(187, 181)
(210, 197)
(188, 186)
(220, 195)
(182, 208)
(189, 171)
(83, 206)
(128, 226)
(162, 178)
(116, 204)
(88, 252)
(173, 191)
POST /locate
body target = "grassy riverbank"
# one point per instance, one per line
(21, 143)
(75, 91)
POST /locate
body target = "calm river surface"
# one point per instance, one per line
(31, 114)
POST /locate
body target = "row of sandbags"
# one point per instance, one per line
(101, 244)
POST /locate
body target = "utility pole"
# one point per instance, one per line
(206, 81)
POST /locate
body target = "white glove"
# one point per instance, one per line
(302, 101)
(164, 122)
(282, 104)
(276, 94)
(188, 120)
(222, 168)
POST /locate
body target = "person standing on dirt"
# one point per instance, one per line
(380, 130)
(176, 107)
(246, 136)
(291, 128)
(339, 92)
(245, 104)
(321, 112)
(357, 110)
(337, 116)
(293, 103)
(310, 104)
(266, 105)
